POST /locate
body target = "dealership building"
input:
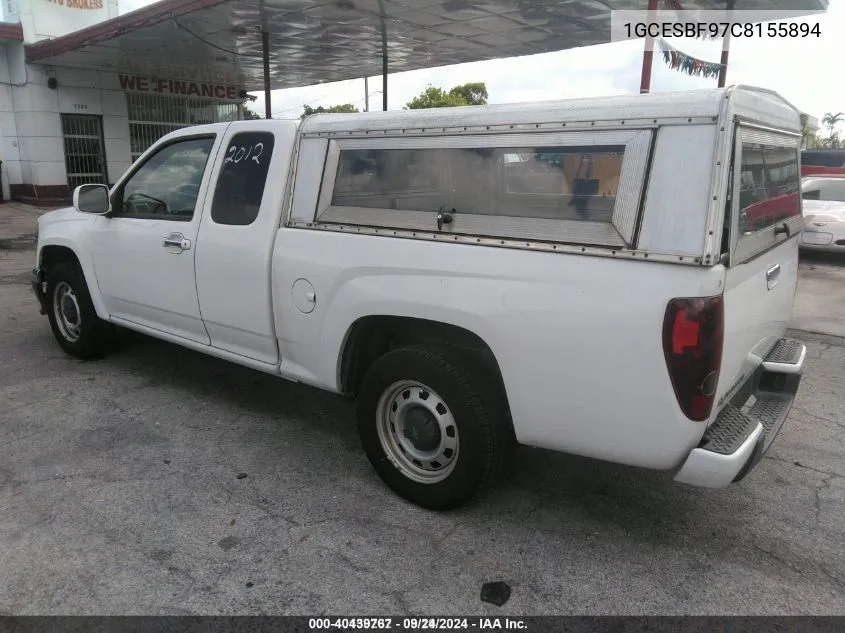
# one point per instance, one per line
(84, 90)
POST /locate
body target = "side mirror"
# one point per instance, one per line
(92, 199)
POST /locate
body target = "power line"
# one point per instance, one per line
(220, 48)
(300, 106)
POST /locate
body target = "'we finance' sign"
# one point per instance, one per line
(135, 83)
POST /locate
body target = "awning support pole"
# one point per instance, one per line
(384, 81)
(265, 52)
(723, 71)
(383, 56)
(648, 53)
(366, 95)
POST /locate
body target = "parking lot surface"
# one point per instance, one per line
(161, 481)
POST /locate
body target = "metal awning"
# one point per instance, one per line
(315, 41)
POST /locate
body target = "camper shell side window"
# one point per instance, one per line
(577, 187)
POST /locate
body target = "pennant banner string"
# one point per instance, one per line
(687, 63)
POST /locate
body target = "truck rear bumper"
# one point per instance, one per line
(746, 427)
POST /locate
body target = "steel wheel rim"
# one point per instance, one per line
(67, 312)
(417, 431)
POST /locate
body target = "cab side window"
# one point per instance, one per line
(167, 185)
(240, 186)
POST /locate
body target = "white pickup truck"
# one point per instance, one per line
(608, 277)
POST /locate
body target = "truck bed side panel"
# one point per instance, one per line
(578, 339)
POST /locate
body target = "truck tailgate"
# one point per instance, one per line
(762, 275)
(758, 305)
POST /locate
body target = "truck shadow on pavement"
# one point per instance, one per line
(648, 505)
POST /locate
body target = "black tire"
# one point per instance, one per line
(94, 333)
(483, 428)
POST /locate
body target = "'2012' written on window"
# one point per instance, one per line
(243, 153)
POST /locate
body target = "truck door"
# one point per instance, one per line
(236, 238)
(144, 254)
(762, 273)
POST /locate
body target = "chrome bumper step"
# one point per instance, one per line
(786, 357)
(733, 427)
(746, 426)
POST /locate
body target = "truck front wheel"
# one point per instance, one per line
(427, 428)
(73, 319)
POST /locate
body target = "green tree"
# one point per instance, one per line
(830, 121)
(833, 141)
(346, 108)
(464, 95)
(473, 93)
(808, 137)
(250, 115)
(805, 126)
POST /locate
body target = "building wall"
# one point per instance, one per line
(34, 145)
(9, 11)
(42, 19)
(10, 170)
(31, 142)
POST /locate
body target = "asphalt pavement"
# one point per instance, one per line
(161, 481)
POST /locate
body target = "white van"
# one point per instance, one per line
(609, 277)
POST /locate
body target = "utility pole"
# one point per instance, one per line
(648, 52)
(366, 95)
(723, 71)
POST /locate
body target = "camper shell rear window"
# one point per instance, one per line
(768, 184)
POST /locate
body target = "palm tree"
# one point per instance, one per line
(830, 121)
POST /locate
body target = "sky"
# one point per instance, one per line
(807, 72)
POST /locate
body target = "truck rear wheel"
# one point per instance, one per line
(427, 428)
(73, 319)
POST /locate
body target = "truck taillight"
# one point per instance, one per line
(693, 332)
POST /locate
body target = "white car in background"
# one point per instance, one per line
(824, 213)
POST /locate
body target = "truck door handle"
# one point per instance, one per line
(177, 240)
(444, 217)
(783, 228)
